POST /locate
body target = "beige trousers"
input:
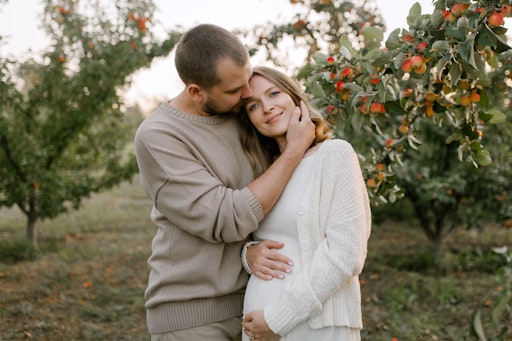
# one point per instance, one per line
(228, 330)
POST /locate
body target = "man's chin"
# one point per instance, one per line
(233, 111)
(236, 110)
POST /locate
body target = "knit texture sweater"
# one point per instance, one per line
(195, 172)
(334, 224)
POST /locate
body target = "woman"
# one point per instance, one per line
(323, 217)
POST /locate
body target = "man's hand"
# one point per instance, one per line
(266, 263)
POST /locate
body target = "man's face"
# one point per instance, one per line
(228, 96)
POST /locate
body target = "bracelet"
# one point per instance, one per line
(244, 256)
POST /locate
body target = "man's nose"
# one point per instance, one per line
(247, 92)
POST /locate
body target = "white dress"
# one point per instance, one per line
(280, 225)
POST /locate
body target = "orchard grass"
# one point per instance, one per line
(86, 279)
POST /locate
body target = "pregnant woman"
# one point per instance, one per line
(323, 217)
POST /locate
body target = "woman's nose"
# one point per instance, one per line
(267, 105)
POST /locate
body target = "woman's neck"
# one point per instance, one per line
(282, 145)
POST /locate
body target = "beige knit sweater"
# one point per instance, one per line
(195, 173)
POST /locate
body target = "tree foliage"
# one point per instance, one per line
(63, 130)
(427, 109)
(315, 28)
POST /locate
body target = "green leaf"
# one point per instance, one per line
(394, 108)
(305, 71)
(499, 306)
(502, 45)
(493, 61)
(476, 326)
(414, 14)
(453, 137)
(320, 58)
(455, 72)
(497, 116)
(440, 45)
(357, 121)
(500, 30)
(484, 99)
(472, 72)
(467, 51)
(437, 18)
(316, 89)
(458, 33)
(345, 52)
(486, 37)
(393, 41)
(399, 59)
(483, 158)
(463, 22)
(373, 34)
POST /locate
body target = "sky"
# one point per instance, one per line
(19, 25)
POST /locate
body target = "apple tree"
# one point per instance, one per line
(427, 109)
(421, 110)
(63, 131)
(314, 28)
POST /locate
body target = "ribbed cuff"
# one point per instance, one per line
(254, 203)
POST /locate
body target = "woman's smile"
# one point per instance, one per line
(273, 118)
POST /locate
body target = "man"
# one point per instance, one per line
(205, 201)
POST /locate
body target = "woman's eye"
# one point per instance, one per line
(274, 93)
(251, 107)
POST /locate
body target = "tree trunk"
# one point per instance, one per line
(32, 229)
(436, 246)
(433, 229)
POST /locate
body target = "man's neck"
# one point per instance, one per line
(184, 103)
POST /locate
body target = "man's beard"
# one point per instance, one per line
(212, 109)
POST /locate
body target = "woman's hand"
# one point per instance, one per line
(301, 130)
(256, 327)
(266, 263)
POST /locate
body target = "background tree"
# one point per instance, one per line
(422, 112)
(63, 133)
(316, 27)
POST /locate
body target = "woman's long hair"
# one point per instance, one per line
(262, 151)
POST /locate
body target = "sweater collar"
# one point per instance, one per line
(213, 119)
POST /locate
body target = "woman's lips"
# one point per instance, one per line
(273, 118)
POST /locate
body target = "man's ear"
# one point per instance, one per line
(195, 92)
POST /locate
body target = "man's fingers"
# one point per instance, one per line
(266, 263)
(268, 269)
(263, 276)
(272, 244)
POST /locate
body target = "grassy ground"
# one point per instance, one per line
(88, 282)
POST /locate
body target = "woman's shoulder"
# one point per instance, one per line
(336, 145)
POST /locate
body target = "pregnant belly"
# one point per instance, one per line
(260, 293)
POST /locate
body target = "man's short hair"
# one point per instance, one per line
(200, 50)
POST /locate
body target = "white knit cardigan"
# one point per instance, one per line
(334, 223)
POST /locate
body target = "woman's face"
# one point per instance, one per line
(270, 108)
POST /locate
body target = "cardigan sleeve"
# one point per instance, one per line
(341, 250)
